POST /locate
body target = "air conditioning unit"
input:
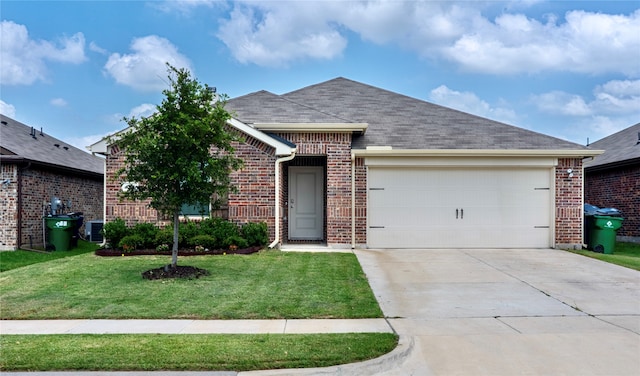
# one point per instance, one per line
(93, 231)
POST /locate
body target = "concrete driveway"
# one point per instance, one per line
(508, 312)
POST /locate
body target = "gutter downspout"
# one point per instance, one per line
(278, 165)
(353, 201)
(104, 195)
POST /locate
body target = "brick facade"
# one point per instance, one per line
(255, 198)
(29, 192)
(617, 188)
(568, 231)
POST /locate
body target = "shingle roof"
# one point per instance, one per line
(266, 107)
(407, 123)
(17, 143)
(620, 148)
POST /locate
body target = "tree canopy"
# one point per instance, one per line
(183, 153)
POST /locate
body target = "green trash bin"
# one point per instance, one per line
(60, 230)
(603, 233)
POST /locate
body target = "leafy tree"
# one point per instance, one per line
(182, 154)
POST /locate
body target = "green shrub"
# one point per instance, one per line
(165, 236)
(235, 241)
(146, 231)
(256, 234)
(114, 231)
(206, 241)
(188, 230)
(130, 243)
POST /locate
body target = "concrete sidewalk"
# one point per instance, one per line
(300, 326)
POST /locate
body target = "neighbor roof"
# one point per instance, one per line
(19, 142)
(620, 148)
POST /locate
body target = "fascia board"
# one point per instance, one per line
(280, 147)
(389, 152)
(312, 127)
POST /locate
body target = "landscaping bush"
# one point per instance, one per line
(165, 236)
(114, 231)
(188, 230)
(148, 232)
(206, 241)
(130, 243)
(234, 241)
(256, 234)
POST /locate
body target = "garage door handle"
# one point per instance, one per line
(461, 213)
(456, 213)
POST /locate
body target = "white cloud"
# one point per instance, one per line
(84, 141)
(616, 97)
(24, 59)
(58, 102)
(143, 110)
(274, 33)
(93, 46)
(184, 7)
(145, 68)
(470, 103)
(7, 109)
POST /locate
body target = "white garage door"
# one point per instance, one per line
(420, 207)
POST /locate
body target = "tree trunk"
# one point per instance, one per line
(174, 251)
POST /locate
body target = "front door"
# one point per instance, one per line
(306, 203)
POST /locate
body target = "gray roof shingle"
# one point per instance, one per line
(17, 143)
(620, 148)
(407, 123)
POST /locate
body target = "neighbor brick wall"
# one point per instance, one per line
(617, 188)
(38, 186)
(8, 207)
(569, 208)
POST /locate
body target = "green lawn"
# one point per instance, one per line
(189, 352)
(625, 254)
(269, 284)
(16, 259)
(265, 285)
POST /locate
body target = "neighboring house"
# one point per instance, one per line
(34, 167)
(352, 165)
(613, 179)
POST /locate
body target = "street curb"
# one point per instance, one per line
(387, 362)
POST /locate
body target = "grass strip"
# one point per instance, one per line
(265, 285)
(16, 259)
(625, 254)
(153, 352)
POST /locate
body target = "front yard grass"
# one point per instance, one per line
(625, 254)
(265, 285)
(157, 352)
(17, 259)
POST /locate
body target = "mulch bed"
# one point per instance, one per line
(179, 271)
(107, 252)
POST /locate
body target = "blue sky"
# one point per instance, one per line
(570, 69)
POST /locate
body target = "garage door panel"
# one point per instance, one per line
(461, 208)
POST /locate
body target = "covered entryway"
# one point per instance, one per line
(460, 207)
(306, 202)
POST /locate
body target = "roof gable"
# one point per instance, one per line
(21, 142)
(620, 148)
(404, 122)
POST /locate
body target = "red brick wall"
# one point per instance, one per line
(617, 188)
(8, 207)
(361, 201)
(38, 186)
(569, 203)
(255, 182)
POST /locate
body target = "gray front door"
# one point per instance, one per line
(306, 203)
